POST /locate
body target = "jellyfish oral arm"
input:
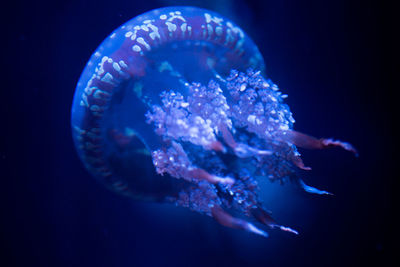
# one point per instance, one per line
(175, 161)
(144, 90)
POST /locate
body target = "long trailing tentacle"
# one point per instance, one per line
(309, 142)
(202, 174)
(241, 150)
(298, 162)
(265, 218)
(228, 220)
(311, 189)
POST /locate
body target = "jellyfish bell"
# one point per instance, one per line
(173, 106)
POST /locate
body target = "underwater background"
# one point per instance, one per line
(333, 59)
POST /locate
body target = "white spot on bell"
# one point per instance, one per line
(136, 48)
(140, 40)
(171, 26)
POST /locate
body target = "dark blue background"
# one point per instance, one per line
(333, 58)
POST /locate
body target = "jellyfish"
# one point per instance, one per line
(174, 106)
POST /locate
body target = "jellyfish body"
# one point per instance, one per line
(173, 106)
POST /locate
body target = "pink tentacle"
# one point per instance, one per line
(306, 141)
(226, 219)
(213, 179)
(265, 218)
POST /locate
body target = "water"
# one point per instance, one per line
(325, 56)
